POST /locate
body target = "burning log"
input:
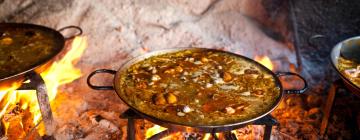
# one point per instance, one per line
(15, 130)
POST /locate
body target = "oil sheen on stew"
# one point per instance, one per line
(199, 87)
(22, 49)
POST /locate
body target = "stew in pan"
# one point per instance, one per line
(23, 48)
(199, 87)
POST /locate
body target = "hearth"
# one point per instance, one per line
(269, 31)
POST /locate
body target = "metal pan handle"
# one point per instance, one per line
(100, 87)
(294, 91)
(80, 31)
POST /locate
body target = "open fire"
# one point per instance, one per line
(20, 112)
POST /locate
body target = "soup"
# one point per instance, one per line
(199, 87)
(22, 49)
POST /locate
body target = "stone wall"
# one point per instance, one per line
(119, 30)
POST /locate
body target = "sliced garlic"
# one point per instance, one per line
(181, 114)
(246, 93)
(154, 71)
(209, 85)
(197, 62)
(219, 81)
(229, 110)
(191, 59)
(185, 73)
(229, 87)
(155, 78)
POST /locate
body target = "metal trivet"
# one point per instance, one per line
(268, 120)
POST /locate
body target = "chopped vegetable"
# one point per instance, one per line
(171, 98)
(246, 93)
(179, 69)
(197, 63)
(229, 110)
(6, 41)
(181, 114)
(187, 109)
(227, 77)
(204, 59)
(159, 99)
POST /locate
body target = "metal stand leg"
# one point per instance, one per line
(43, 100)
(230, 136)
(267, 132)
(269, 121)
(328, 106)
(213, 134)
(131, 116)
(131, 129)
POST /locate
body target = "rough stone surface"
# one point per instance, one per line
(122, 29)
(336, 20)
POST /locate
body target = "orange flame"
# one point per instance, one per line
(59, 73)
(264, 60)
(154, 130)
(207, 136)
(63, 71)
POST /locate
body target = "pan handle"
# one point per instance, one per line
(80, 31)
(100, 87)
(294, 91)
